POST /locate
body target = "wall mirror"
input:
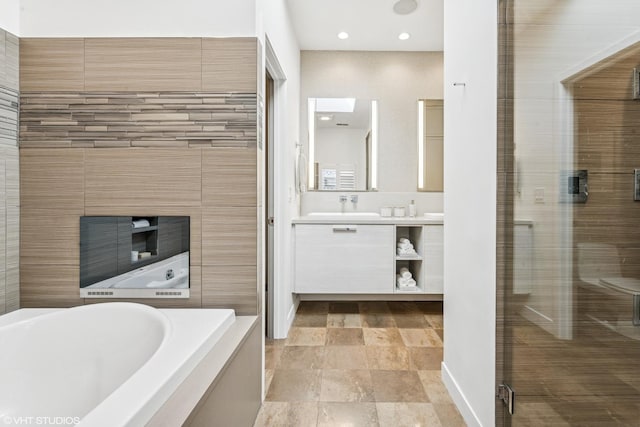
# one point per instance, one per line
(343, 144)
(430, 144)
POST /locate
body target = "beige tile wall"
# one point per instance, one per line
(9, 172)
(608, 123)
(144, 127)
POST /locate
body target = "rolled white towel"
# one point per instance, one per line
(406, 283)
(405, 273)
(139, 223)
(410, 283)
(401, 282)
(404, 240)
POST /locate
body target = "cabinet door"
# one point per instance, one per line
(433, 259)
(344, 259)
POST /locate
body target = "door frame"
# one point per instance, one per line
(275, 325)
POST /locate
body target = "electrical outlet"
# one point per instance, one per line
(539, 195)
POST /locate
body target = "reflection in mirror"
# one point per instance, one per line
(430, 144)
(343, 144)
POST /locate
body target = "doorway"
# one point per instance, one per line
(269, 203)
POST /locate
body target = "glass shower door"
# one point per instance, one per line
(569, 284)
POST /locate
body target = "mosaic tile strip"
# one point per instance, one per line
(8, 117)
(149, 119)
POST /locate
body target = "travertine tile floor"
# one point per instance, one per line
(359, 364)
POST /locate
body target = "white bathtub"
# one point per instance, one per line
(111, 364)
(152, 275)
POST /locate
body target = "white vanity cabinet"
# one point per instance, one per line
(433, 263)
(344, 258)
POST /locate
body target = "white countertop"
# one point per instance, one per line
(354, 219)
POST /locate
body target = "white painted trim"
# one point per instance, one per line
(567, 128)
(536, 317)
(271, 61)
(280, 196)
(598, 61)
(459, 399)
(292, 314)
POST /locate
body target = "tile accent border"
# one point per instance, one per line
(8, 116)
(137, 119)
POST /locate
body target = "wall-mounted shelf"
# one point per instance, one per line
(145, 239)
(144, 229)
(408, 258)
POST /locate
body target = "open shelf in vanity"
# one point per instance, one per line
(347, 255)
(412, 262)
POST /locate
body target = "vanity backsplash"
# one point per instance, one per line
(370, 202)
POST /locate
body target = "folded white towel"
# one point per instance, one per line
(139, 223)
(405, 245)
(405, 273)
(404, 240)
(406, 252)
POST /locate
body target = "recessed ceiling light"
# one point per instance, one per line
(325, 118)
(405, 7)
(343, 36)
(404, 36)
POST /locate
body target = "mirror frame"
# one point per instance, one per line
(423, 133)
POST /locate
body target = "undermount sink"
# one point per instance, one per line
(434, 215)
(367, 214)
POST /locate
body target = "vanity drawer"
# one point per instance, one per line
(339, 258)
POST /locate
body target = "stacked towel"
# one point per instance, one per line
(139, 223)
(405, 273)
(405, 283)
(405, 247)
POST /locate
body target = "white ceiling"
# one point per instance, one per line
(371, 24)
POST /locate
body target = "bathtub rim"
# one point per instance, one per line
(108, 413)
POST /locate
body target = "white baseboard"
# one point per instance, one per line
(292, 313)
(458, 398)
(538, 318)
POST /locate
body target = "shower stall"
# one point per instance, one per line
(568, 328)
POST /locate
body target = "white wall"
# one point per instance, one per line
(137, 18)
(273, 21)
(470, 206)
(10, 16)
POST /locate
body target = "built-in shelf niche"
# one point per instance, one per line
(144, 239)
(411, 262)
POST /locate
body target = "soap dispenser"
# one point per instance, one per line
(412, 209)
